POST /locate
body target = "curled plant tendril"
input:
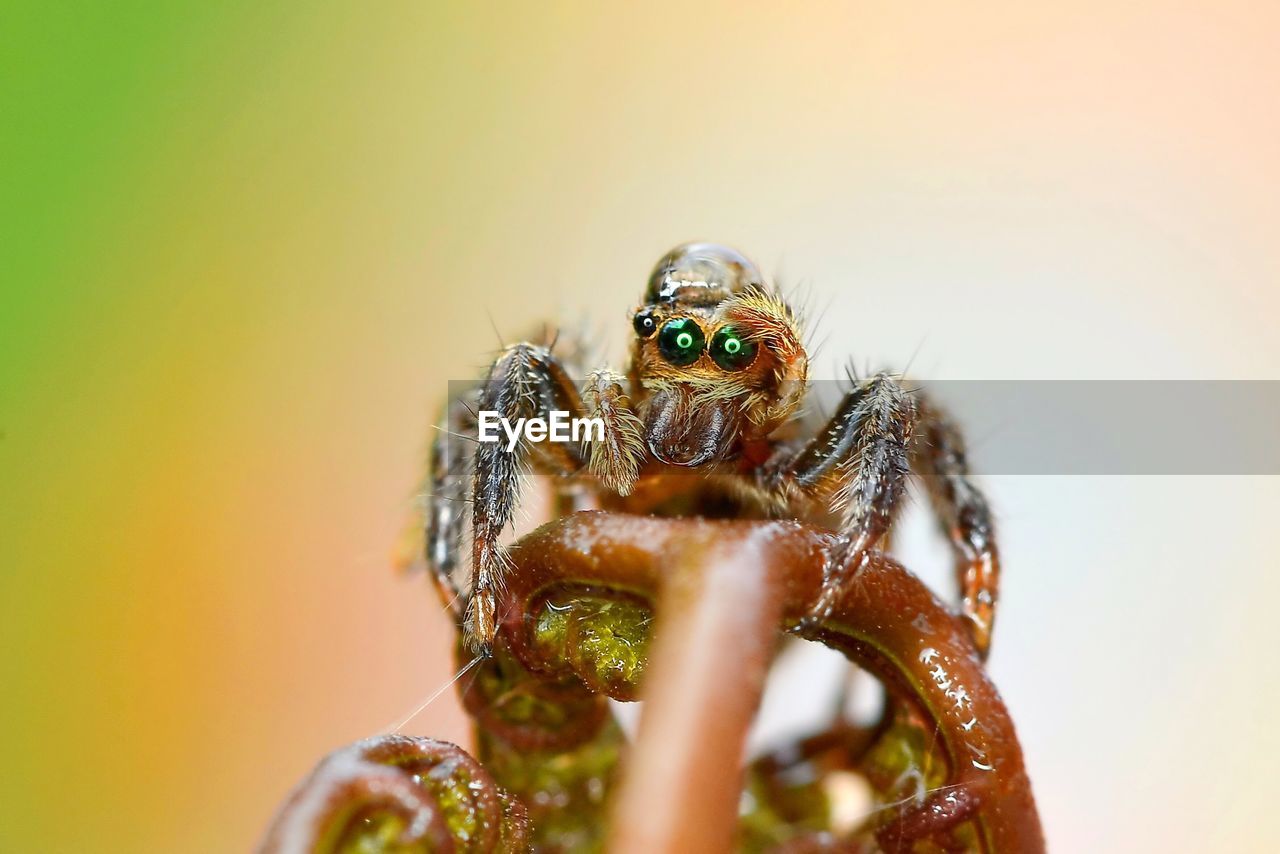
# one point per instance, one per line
(687, 614)
(398, 793)
(722, 591)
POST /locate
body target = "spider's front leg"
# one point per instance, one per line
(525, 382)
(858, 463)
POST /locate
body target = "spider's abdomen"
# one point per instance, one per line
(700, 275)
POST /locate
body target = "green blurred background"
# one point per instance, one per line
(245, 246)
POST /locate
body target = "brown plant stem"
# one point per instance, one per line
(682, 781)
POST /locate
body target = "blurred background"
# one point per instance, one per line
(246, 245)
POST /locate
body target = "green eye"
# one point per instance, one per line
(731, 351)
(681, 341)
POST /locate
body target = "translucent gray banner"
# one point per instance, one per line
(1092, 427)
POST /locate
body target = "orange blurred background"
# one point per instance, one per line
(247, 245)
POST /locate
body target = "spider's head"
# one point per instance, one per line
(717, 355)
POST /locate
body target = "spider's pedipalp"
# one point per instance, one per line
(616, 459)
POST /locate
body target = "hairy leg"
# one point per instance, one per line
(448, 497)
(858, 463)
(966, 519)
(526, 381)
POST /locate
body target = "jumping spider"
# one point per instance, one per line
(717, 377)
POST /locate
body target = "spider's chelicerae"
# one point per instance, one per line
(717, 377)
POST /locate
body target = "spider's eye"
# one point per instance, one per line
(730, 350)
(644, 323)
(681, 341)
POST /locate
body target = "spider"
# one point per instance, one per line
(716, 383)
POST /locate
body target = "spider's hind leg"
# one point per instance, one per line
(448, 498)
